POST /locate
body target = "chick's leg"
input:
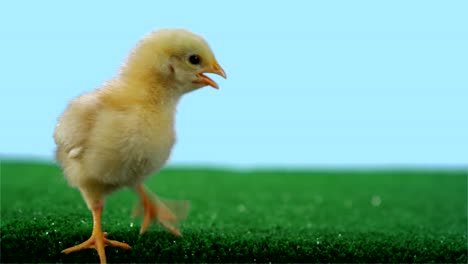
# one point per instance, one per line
(98, 238)
(167, 213)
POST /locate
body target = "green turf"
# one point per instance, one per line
(248, 216)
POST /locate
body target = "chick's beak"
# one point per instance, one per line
(216, 69)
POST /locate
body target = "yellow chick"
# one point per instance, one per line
(121, 133)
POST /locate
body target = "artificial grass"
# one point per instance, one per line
(321, 215)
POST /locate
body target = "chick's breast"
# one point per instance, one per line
(127, 146)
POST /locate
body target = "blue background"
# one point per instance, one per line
(309, 82)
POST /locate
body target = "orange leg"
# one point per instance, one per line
(155, 209)
(98, 238)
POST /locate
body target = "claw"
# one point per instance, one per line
(97, 241)
(167, 213)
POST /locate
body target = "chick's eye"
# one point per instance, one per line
(194, 59)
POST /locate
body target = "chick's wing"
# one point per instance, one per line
(74, 126)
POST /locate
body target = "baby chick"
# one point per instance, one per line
(121, 133)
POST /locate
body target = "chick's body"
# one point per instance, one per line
(121, 133)
(117, 139)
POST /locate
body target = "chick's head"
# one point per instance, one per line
(176, 56)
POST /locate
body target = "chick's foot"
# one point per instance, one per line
(98, 241)
(167, 213)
